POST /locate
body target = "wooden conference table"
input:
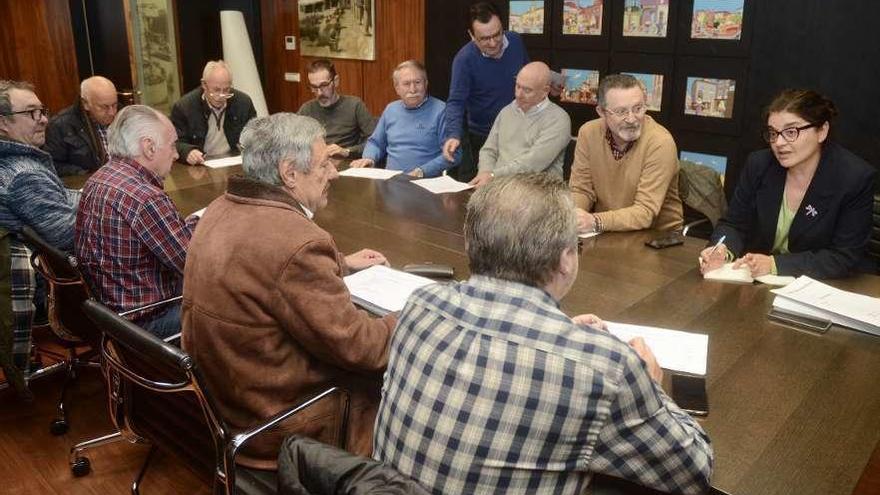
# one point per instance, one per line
(790, 412)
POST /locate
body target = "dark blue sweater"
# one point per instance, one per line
(483, 85)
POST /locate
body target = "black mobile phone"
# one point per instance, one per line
(665, 241)
(689, 392)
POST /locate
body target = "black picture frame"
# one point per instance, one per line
(714, 47)
(580, 113)
(544, 40)
(711, 144)
(577, 41)
(649, 64)
(714, 68)
(643, 44)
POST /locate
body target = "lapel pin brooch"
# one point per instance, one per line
(812, 211)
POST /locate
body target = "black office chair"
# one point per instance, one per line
(157, 395)
(874, 243)
(66, 292)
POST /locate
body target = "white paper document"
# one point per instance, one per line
(727, 273)
(817, 299)
(442, 184)
(227, 161)
(675, 350)
(382, 290)
(370, 173)
(201, 212)
(587, 235)
(777, 280)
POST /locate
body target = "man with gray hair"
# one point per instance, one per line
(130, 240)
(77, 137)
(491, 388)
(625, 170)
(409, 134)
(209, 119)
(264, 303)
(31, 194)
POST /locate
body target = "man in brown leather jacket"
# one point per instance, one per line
(266, 314)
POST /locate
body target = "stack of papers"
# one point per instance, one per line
(382, 290)
(675, 350)
(370, 173)
(743, 275)
(814, 299)
(442, 184)
(228, 161)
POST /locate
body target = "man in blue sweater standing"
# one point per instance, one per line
(411, 129)
(483, 74)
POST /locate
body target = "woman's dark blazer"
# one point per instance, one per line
(831, 229)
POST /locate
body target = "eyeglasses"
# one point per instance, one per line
(789, 134)
(224, 94)
(35, 113)
(492, 37)
(320, 87)
(622, 113)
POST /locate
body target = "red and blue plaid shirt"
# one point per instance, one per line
(130, 240)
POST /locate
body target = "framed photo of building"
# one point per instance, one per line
(338, 29)
(709, 94)
(581, 24)
(582, 72)
(655, 72)
(155, 67)
(715, 27)
(644, 25)
(531, 19)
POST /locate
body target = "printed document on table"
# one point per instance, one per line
(383, 290)
(442, 184)
(822, 296)
(370, 173)
(201, 212)
(227, 161)
(587, 235)
(675, 350)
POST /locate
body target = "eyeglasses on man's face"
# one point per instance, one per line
(492, 37)
(789, 134)
(622, 113)
(221, 94)
(34, 113)
(317, 88)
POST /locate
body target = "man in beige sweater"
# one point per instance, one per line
(530, 134)
(625, 171)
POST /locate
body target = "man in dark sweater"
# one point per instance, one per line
(209, 119)
(77, 137)
(483, 74)
(345, 118)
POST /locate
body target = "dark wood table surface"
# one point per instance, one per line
(790, 412)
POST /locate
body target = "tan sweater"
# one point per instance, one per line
(639, 191)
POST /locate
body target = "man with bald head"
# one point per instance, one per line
(77, 137)
(209, 119)
(530, 134)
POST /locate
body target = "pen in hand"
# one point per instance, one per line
(714, 248)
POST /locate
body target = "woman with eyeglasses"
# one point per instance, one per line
(802, 207)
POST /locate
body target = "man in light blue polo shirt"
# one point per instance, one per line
(409, 135)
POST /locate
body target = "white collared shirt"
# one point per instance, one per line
(307, 211)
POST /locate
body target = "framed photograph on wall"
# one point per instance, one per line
(531, 19)
(715, 27)
(709, 94)
(338, 29)
(581, 24)
(644, 25)
(582, 72)
(720, 153)
(655, 72)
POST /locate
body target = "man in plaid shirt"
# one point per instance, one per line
(491, 388)
(130, 239)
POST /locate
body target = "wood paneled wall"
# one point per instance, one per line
(400, 35)
(36, 45)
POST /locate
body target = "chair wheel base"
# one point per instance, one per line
(59, 427)
(81, 467)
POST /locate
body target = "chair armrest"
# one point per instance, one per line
(242, 438)
(152, 305)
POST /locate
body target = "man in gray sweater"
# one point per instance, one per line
(346, 119)
(530, 134)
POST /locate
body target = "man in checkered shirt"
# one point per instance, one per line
(130, 240)
(491, 388)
